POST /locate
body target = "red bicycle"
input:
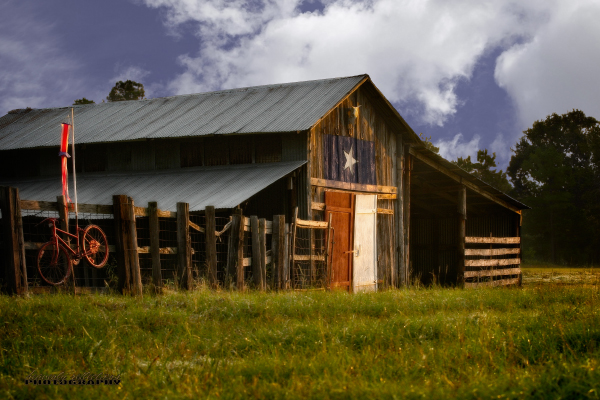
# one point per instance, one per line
(56, 257)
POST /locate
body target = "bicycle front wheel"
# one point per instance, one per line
(53, 263)
(95, 246)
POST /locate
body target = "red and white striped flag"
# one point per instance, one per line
(64, 147)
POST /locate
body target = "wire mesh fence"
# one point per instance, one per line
(83, 275)
(309, 269)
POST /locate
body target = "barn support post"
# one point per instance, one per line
(211, 245)
(184, 246)
(12, 251)
(128, 266)
(155, 244)
(406, 201)
(462, 219)
(397, 277)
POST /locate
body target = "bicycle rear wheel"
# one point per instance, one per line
(95, 246)
(53, 263)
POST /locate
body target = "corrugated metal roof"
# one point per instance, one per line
(223, 187)
(286, 107)
(471, 178)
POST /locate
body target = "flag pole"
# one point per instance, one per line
(74, 172)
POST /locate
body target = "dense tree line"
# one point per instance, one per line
(554, 169)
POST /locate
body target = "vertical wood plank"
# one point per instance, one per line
(462, 217)
(262, 226)
(328, 250)
(406, 202)
(12, 261)
(211, 245)
(155, 244)
(256, 269)
(293, 245)
(134, 262)
(518, 234)
(232, 245)
(184, 246)
(311, 244)
(286, 258)
(398, 279)
(122, 243)
(274, 252)
(279, 251)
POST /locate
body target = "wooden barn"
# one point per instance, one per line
(332, 150)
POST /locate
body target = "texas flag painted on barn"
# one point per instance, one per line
(348, 159)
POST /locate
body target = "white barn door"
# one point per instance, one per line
(364, 277)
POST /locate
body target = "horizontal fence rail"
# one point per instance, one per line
(488, 266)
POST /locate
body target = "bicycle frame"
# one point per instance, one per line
(56, 238)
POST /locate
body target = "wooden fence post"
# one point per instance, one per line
(286, 258)
(278, 250)
(262, 231)
(462, 217)
(122, 243)
(12, 260)
(256, 253)
(232, 244)
(293, 245)
(240, 254)
(155, 244)
(136, 274)
(211, 245)
(184, 246)
(128, 265)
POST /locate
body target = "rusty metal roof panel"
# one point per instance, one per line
(223, 187)
(286, 107)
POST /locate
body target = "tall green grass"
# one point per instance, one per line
(535, 342)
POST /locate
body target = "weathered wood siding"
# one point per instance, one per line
(369, 125)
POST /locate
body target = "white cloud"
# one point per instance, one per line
(557, 70)
(131, 72)
(457, 147)
(413, 50)
(35, 70)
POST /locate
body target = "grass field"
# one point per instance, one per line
(540, 341)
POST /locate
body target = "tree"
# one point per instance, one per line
(128, 90)
(428, 143)
(83, 101)
(556, 170)
(482, 169)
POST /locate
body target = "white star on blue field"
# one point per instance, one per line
(471, 75)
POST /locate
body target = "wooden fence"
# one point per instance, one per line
(124, 245)
(496, 265)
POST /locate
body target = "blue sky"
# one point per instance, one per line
(470, 74)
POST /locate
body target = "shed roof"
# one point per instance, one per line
(222, 187)
(288, 107)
